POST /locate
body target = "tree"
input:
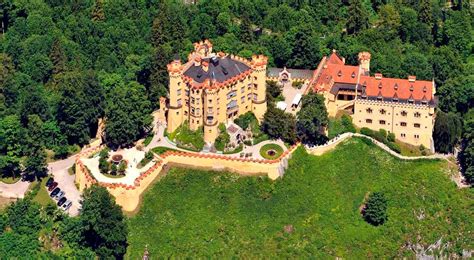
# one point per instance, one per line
(445, 64)
(246, 31)
(80, 105)
(124, 123)
(98, 11)
(457, 94)
(455, 28)
(358, 18)
(389, 18)
(35, 164)
(58, 59)
(375, 211)
(312, 119)
(447, 131)
(104, 226)
(304, 48)
(159, 75)
(278, 124)
(12, 136)
(273, 90)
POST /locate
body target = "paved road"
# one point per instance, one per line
(59, 170)
(15, 190)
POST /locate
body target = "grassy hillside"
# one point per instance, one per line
(198, 213)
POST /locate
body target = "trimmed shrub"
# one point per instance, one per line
(391, 137)
(393, 146)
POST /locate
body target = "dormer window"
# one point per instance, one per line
(380, 85)
(396, 86)
(339, 73)
(424, 89)
(353, 75)
(411, 88)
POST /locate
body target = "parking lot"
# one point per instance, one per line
(65, 181)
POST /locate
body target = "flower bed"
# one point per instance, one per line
(271, 151)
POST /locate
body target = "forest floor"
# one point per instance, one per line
(313, 211)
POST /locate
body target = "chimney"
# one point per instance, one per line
(378, 76)
(364, 60)
(197, 61)
(411, 78)
(205, 66)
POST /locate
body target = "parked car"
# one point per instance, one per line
(49, 181)
(59, 195)
(52, 186)
(66, 205)
(61, 201)
(55, 192)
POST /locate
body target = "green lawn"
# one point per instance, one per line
(273, 147)
(192, 213)
(42, 195)
(9, 180)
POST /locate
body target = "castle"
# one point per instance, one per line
(214, 88)
(405, 107)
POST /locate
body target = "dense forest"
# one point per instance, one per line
(67, 63)
(64, 64)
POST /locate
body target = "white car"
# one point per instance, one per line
(66, 205)
(59, 195)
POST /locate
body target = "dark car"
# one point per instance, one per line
(49, 181)
(61, 201)
(52, 186)
(55, 192)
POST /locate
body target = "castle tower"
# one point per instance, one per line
(364, 60)
(210, 119)
(176, 95)
(259, 101)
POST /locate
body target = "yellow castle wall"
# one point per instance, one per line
(394, 120)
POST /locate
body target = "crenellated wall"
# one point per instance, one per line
(128, 196)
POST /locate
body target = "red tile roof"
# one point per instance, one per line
(417, 90)
(335, 71)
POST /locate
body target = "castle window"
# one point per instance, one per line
(179, 102)
(209, 110)
(417, 136)
(369, 110)
(218, 99)
(382, 122)
(403, 135)
(255, 86)
(192, 100)
(368, 121)
(242, 99)
(404, 113)
(383, 111)
(192, 111)
(416, 125)
(417, 114)
(255, 97)
(178, 92)
(231, 94)
(249, 96)
(232, 104)
(187, 92)
(198, 112)
(242, 90)
(403, 123)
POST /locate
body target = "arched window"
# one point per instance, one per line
(369, 110)
(417, 114)
(383, 111)
(404, 113)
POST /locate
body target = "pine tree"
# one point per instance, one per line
(376, 209)
(358, 18)
(158, 36)
(58, 58)
(246, 32)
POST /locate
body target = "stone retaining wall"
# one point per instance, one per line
(128, 196)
